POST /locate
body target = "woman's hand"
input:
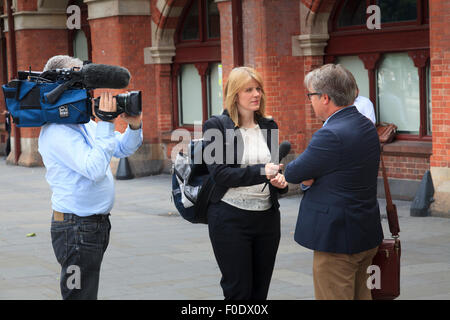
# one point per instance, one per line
(272, 169)
(279, 181)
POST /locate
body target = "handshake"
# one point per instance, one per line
(277, 179)
(274, 171)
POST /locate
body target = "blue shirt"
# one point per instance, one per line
(77, 158)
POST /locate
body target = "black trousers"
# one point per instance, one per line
(245, 245)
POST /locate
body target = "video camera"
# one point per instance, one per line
(64, 95)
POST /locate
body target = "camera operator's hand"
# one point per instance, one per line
(107, 103)
(134, 122)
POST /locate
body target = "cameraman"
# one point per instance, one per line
(77, 158)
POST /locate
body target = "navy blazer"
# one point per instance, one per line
(228, 175)
(340, 212)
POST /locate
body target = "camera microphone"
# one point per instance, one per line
(91, 76)
(104, 76)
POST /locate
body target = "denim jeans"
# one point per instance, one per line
(79, 244)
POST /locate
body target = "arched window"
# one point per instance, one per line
(80, 39)
(197, 69)
(80, 46)
(391, 64)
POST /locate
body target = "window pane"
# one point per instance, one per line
(398, 92)
(190, 95)
(190, 26)
(215, 96)
(429, 118)
(213, 19)
(353, 13)
(80, 46)
(356, 67)
(397, 10)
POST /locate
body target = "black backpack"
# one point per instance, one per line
(192, 185)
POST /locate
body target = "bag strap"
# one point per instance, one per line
(391, 209)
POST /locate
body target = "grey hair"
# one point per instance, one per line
(335, 81)
(61, 62)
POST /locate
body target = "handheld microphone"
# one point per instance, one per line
(285, 148)
(283, 151)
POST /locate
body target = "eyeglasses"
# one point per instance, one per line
(313, 94)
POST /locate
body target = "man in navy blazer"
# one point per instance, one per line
(339, 217)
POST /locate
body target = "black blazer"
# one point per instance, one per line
(232, 175)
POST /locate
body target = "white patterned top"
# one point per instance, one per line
(255, 152)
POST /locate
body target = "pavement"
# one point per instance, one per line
(155, 254)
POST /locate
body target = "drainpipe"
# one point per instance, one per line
(12, 50)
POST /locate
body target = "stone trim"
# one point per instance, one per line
(313, 36)
(309, 44)
(25, 20)
(441, 181)
(159, 55)
(98, 9)
(162, 50)
(29, 156)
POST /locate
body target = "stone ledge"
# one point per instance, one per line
(401, 189)
(422, 149)
(25, 20)
(110, 8)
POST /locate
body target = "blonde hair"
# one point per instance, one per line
(237, 80)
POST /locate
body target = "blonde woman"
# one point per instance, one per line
(243, 217)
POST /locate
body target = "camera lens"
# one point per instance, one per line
(130, 103)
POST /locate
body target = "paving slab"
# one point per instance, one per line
(154, 254)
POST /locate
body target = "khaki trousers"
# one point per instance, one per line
(340, 276)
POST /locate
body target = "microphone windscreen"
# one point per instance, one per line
(105, 76)
(284, 149)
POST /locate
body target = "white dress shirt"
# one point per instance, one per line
(365, 107)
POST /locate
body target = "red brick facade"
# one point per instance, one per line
(440, 81)
(269, 32)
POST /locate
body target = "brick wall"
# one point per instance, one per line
(121, 40)
(226, 39)
(268, 30)
(27, 5)
(404, 167)
(440, 81)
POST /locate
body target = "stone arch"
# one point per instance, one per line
(314, 16)
(165, 16)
